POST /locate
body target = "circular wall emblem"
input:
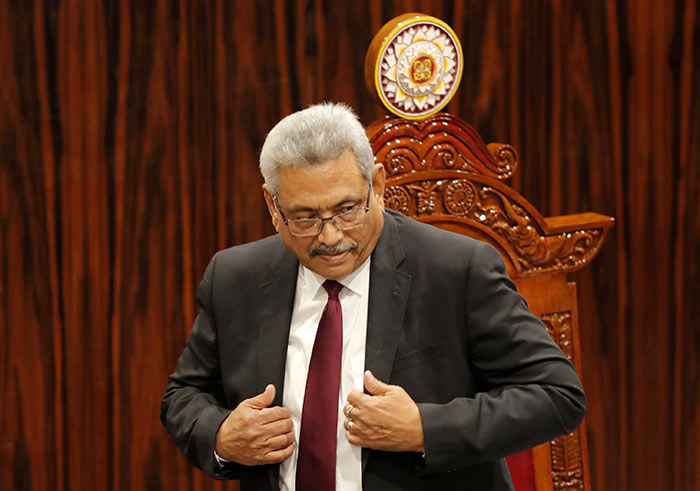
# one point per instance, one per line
(414, 65)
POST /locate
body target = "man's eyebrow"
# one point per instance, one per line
(342, 203)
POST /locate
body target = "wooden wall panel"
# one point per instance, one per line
(129, 135)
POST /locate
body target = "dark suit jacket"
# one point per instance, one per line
(445, 323)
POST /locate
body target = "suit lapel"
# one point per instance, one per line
(276, 303)
(388, 294)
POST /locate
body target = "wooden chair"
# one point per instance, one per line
(441, 172)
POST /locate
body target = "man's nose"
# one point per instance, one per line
(330, 233)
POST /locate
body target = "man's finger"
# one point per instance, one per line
(271, 414)
(352, 426)
(351, 411)
(277, 456)
(278, 426)
(279, 442)
(356, 398)
(353, 439)
(262, 400)
(374, 386)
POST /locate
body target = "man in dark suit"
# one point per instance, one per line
(417, 366)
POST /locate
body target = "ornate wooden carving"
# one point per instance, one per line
(438, 142)
(567, 463)
(559, 326)
(441, 166)
(460, 196)
(566, 451)
(536, 249)
(501, 213)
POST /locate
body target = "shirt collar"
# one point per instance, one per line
(356, 282)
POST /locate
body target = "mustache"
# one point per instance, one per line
(336, 249)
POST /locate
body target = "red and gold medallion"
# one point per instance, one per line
(414, 65)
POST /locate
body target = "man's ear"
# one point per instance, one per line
(271, 208)
(378, 183)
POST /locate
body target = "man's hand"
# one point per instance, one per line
(255, 434)
(388, 419)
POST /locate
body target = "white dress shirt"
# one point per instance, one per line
(309, 302)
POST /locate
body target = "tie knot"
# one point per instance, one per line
(333, 288)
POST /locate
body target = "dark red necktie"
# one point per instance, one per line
(319, 418)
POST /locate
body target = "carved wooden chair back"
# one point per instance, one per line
(440, 171)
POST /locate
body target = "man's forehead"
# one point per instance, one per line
(342, 174)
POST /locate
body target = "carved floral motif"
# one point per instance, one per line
(459, 197)
(396, 199)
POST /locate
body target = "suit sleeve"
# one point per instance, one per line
(193, 405)
(530, 393)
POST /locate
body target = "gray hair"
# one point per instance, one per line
(312, 136)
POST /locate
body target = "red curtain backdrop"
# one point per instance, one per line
(129, 135)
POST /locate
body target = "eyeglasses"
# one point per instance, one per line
(345, 220)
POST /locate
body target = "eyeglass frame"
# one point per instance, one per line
(286, 220)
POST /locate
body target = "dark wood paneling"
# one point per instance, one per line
(129, 134)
